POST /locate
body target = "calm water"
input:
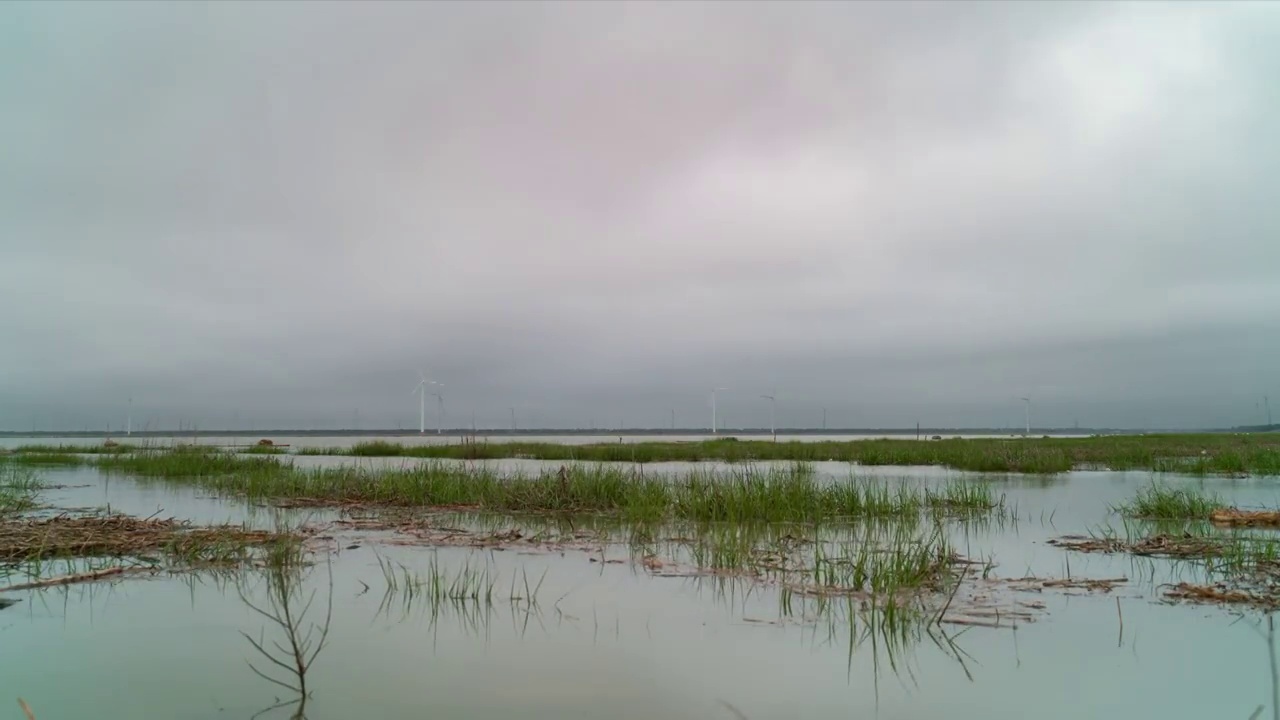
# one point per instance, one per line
(610, 641)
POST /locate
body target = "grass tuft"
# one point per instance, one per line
(740, 494)
(1161, 503)
(1202, 454)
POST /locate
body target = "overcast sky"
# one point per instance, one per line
(277, 214)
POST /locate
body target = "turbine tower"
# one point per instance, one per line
(421, 389)
(773, 405)
(1027, 407)
(713, 408)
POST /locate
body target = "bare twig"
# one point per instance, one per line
(299, 648)
(938, 620)
(1119, 614)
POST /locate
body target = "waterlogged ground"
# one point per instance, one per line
(606, 637)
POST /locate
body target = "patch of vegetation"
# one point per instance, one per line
(19, 487)
(1161, 503)
(1243, 567)
(1204, 454)
(191, 461)
(48, 459)
(102, 449)
(121, 536)
(739, 495)
(262, 450)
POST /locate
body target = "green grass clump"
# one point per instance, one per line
(18, 489)
(65, 459)
(1206, 454)
(748, 493)
(191, 461)
(900, 562)
(103, 449)
(262, 450)
(377, 448)
(332, 451)
(1161, 503)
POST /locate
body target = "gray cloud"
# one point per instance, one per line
(898, 211)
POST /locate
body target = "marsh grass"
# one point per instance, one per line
(102, 449)
(470, 591)
(19, 487)
(1205, 454)
(901, 561)
(1156, 502)
(1236, 558)
(738, 494)
(47, 459)
(330, 451)
(191, 461)
(895, 565)
(261, 450)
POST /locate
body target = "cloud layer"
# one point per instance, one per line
(279, 215)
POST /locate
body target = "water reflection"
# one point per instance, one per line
(469, 597)
(286, 653)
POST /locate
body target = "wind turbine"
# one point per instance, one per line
(128, 422)
(713, 408)
(421, 389)
(1027, 407)
(439, 394)
(773, 405)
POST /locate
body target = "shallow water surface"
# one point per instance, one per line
(608, 640)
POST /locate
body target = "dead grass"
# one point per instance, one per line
(1161, 546)
(1222, 594)
(1241, 569)
(1232, 517)
(63, 536)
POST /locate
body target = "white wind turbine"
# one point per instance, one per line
(773, 405)
(421, 389)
